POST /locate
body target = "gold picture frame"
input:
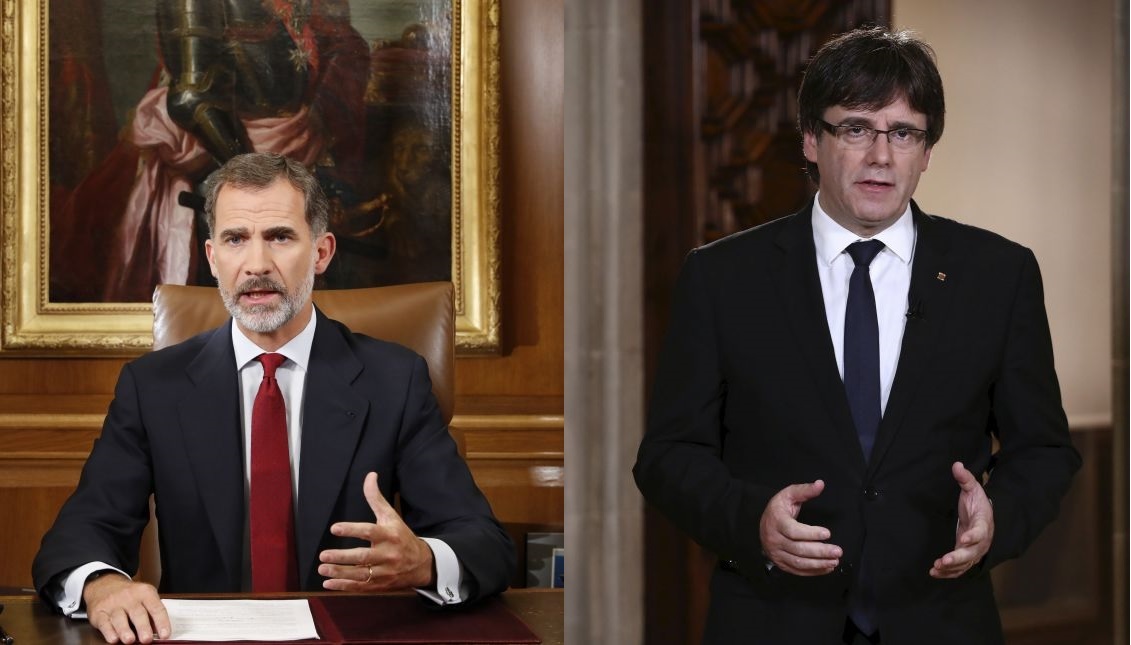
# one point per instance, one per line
(34, 325)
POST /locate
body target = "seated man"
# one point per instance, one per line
(270, 444)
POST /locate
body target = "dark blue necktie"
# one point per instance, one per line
(862, 346)
(862, 385)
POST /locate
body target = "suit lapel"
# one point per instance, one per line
(332, 420)
(929, 300)
(799, 287)
(210, 426)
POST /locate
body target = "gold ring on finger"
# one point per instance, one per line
(369, 577)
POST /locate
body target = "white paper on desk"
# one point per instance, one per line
(240, 620)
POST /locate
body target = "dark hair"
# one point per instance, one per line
(868, 69)
(258, 170)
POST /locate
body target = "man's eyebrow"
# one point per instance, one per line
(276, 231)
(856, 119)
(240, 231)
(900, 125)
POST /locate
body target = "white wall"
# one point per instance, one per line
(1027, 153)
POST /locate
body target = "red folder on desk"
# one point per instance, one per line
(380, 620)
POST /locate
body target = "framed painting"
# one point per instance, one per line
(112, 112)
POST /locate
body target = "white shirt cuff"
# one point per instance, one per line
(450, 588)
(69, 595)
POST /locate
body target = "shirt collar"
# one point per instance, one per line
(296, 349)
(831, 239)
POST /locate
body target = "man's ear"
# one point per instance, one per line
(324, 250)
(809, 146)
(926, 159)
(208, 251)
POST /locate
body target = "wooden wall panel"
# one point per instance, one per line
(25, 522)
(39, 467)
(508, 407)
(519, 463)
(532, 203)
(1060, 590)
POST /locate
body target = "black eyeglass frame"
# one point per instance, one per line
(876, 132)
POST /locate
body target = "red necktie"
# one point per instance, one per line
(274, 565)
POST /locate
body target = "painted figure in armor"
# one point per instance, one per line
(285, 76)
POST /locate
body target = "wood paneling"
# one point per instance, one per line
(40, 459)
(671, 229)
(532, 205)
(508, 407)
(1060, 590)
(519, 463)
(28, 513)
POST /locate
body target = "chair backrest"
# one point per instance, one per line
(419, 316)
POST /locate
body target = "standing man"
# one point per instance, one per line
(242, 507)
(832, 385)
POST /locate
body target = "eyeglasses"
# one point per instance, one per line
(861, 137)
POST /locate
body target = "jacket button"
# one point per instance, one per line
(871, 494)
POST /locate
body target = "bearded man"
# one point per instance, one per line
(240, 509)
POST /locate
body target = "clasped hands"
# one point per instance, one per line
(802, 549)
(125, 611)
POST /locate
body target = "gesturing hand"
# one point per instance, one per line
(792, 546)
(114, 603)
(394, 559)
(975, 530)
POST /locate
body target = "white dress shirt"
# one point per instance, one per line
(450, 588)
(890, 272)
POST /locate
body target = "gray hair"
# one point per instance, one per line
(257, 170)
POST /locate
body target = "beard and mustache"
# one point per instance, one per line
(263, 318)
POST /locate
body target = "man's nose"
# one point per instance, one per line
(880, 150)
(258, 259)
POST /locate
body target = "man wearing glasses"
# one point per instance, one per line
(856, 406)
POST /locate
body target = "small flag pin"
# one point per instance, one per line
(941, 277)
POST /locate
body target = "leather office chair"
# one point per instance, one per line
(419, 316)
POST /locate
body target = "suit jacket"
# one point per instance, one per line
(748, 400)
(173, 430)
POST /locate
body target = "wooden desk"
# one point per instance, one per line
(30, 623)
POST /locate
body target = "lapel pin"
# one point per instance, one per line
(941, 277)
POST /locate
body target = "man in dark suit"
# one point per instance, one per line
(832, 385)
(240, 508)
